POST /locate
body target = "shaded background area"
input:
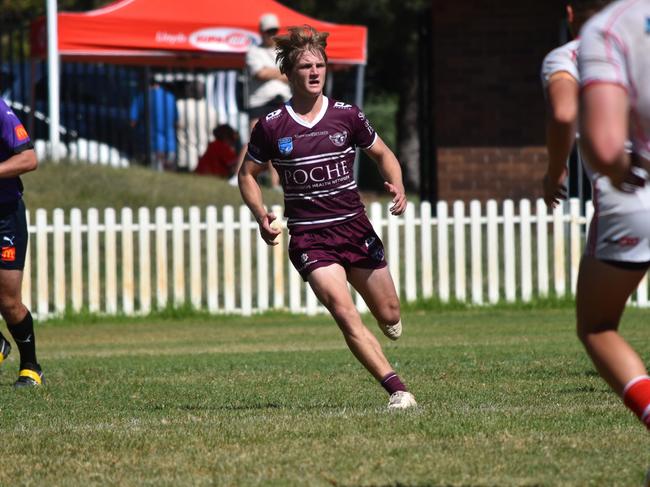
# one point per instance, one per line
(453, 87)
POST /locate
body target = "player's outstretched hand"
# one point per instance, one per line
(268, 232)
(554, 191)
(399, 198)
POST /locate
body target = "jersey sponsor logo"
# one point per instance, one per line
(368, 126)
(304, 258)
(361, 115)
(342, 106)
(21, 133)
(8, 254)
(339, 138)
(285, 145)
(330, 174)
(311, 134)
(274, 114)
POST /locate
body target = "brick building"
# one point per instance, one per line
(488, 108)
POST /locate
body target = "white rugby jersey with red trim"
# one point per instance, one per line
(565, 59)
(315, 161)
(561, 59)
(615, 48)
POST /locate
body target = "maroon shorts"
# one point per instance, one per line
(350, 244)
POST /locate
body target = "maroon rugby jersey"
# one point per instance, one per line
(315, 161)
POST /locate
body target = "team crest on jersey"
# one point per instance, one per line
(339, 138)
(273, 114)
(342, 106)
(285, 144)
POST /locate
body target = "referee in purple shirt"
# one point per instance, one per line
(17, 157)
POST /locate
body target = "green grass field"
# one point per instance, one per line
(507, 398)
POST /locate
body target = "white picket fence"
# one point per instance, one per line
(208, 259)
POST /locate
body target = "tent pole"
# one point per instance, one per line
(358, 95)
(53, 78)
(32, 95)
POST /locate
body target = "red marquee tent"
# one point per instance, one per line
(207, 33)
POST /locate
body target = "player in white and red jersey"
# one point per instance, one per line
(311, 142)
(614, 67)
(560, 81)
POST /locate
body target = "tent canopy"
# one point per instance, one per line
(207, 33)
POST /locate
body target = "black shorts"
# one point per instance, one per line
(13, 235)
(628, 266)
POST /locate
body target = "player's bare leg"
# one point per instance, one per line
(21, 326)
(330, 286)
(377, 289)
(11, 305)
(602, 292)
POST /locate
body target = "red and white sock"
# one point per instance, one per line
(636, 396)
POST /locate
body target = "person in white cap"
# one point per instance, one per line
(268, 87)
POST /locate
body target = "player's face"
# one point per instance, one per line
(267, 37)
(308, 75)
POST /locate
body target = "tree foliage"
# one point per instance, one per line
(23, 10)
(392, 33)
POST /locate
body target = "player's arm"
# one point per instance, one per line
(391, 171)
(252, 195)
(18, 164)
(562, 94)
(268, 73)
(604, 127)
(260, 71)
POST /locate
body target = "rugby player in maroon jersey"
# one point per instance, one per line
(311, 142)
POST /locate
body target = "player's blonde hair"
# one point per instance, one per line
(289, 47)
